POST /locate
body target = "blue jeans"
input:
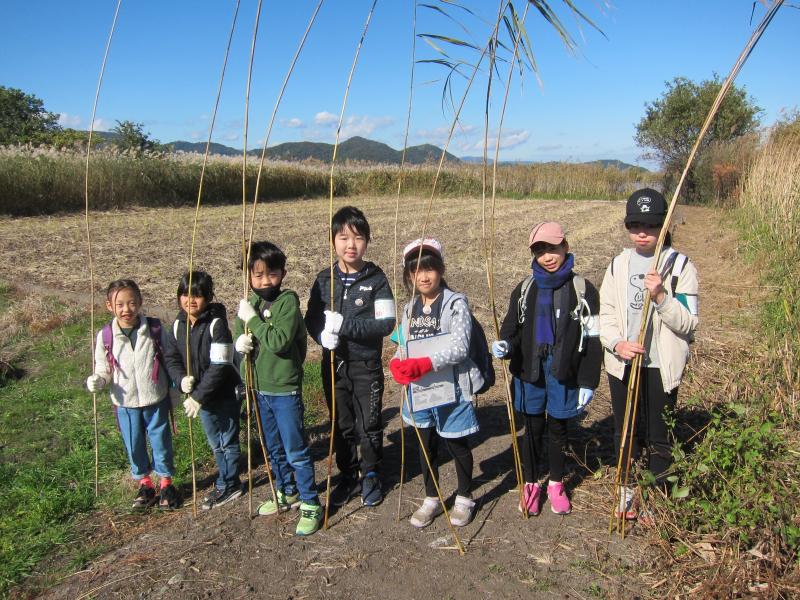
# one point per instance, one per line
(137, 425)
(221, 424)
(284, 434)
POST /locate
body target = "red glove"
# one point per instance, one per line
(399, 374)
(417, 367)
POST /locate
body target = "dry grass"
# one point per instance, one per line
(152, 245)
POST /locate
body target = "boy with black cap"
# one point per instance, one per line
(671, 281)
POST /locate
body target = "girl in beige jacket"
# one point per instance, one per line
(672, 288)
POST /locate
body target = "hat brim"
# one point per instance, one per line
(414, 252)
(645, 218)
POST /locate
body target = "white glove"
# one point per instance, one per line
(244, 343)
(329, 340)
(187, 384)
(246, 311)
(95, 383)
(333, 321)
(585, 396)
(500, 348)
(191, 407)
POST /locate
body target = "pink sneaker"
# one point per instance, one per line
(532, 498)
(559, 503)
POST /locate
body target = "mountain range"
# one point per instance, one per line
(354, 149)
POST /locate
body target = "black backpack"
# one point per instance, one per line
(479, 353)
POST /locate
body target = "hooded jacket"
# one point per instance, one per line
(367, 307)
(674, 322)
(211, 353)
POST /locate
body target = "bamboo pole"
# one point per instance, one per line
(631, 401)
(489, 252)
(394, 251)
(331, 258)
(89, 243)
(194, 235)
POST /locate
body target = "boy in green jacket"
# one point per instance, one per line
(270, 332)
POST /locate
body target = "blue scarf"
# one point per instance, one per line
(546, 282)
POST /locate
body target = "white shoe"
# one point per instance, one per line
(425, 514)
(463, 510)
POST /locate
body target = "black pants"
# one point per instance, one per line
(650, 433)
(532, 446)
(462, 457)
(359, 402)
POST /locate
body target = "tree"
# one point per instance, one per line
(672, 123)
(23, 118)
(131, 137)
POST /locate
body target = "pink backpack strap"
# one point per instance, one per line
(108, 345)
(154, 325)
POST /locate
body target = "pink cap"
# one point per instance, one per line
(547, 231)
(427, 244)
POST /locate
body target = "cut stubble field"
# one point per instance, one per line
(366, 553)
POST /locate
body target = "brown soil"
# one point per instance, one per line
(367, 553)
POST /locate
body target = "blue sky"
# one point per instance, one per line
(165, 59)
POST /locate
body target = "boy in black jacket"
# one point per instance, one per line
(363, 313)
(213, 380)
(550, 333)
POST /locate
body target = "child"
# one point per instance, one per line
(353, 329)
(435, 310)
(549, 334)
(213, 380)
(128, 356)
(673, 293)
(275, 342)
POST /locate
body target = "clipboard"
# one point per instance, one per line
(437, 388)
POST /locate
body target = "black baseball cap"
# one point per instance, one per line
(646, 206)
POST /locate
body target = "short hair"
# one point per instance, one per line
(429, 261)
(350, 216)
(123, 284)
(202, 286)
(268, 252)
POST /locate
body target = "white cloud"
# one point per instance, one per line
(473, 140)
(364, 125)
(231, 136)
(67, 120)
(101, 124)
(512, 138)
(325, 118)
(293, 123)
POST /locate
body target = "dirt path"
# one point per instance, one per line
(367, 554)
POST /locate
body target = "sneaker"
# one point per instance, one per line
(371, 493)
(284, 502)
(425, 514)
(559, 502)
(169, 498)
(218, 497)
(145, 498)
(531, 499)
(310, 519)
(627, 504)
(346, 489)
(646, 518)
(463, 510)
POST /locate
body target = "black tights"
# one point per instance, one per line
(651, 431)
(532, 446)
(462, 457)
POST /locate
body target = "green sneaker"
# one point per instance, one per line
(310, 519)
(270, 507)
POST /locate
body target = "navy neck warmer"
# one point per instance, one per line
(546, 282)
